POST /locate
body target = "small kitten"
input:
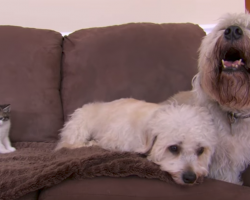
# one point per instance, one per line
(5, 146)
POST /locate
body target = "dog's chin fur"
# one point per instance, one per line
(225, 92)
(230, 89)
(137, 126)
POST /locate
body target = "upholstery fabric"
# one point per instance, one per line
(36, 165)
(30, 196)
(133, 188)
(143, 60)
(30, 81)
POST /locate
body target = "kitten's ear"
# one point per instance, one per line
(7, 108)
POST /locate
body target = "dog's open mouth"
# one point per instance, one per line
(233, 61)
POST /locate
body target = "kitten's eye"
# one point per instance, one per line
(200, 151)
(175, 149)
(1, 118)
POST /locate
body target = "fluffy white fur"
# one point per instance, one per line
(232, 154)
(136, 126)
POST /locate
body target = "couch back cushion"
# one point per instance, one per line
(30, 81)
(140, 60)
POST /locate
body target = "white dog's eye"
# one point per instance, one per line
(175, 149)
(200, 151)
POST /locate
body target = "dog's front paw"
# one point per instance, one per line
(91, 143)
(237, 181)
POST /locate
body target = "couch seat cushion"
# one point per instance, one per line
(134, 188)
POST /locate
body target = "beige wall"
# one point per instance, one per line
(70, 15)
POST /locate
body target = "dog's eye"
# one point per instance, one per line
(174, 149)
(200, 151)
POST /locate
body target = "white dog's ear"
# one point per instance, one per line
(193, 80)
(149, 141)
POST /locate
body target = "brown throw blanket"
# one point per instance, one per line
(35, 166)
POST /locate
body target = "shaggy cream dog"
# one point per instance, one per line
(181, 139)
(223, 86)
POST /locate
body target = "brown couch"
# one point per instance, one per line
(45, 77)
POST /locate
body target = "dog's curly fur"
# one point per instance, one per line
(180, 139)
(224, 89)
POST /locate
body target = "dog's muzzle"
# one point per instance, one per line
(233, 52)
(189, 177)
(233, 33)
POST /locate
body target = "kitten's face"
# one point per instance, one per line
(4, 113)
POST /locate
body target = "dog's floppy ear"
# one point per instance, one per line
(149, 145)
(193, 79)
(149, 139)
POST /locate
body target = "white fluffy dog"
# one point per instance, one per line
(180, 139)
(223, 86)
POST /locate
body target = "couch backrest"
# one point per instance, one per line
(30, 81)
(141, 60)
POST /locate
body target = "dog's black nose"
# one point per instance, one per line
(233, 33)
(189, 177)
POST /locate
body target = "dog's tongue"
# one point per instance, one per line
(234, 64)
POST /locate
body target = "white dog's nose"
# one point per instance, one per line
(233, 33)
(189, 177)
